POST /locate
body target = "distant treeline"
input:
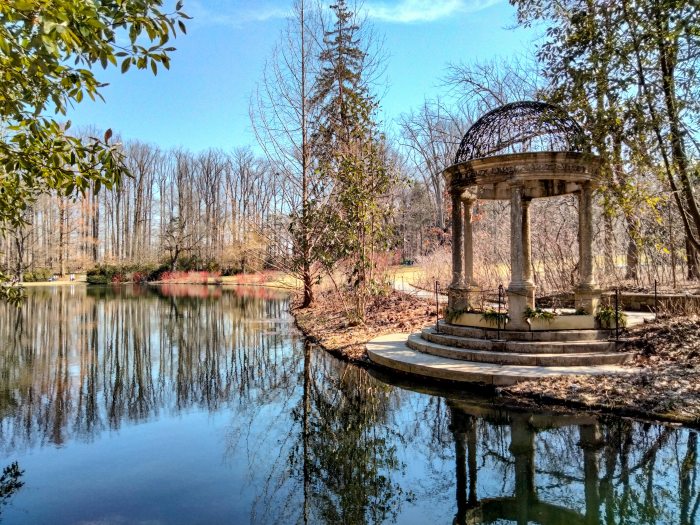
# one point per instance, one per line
(213, 210)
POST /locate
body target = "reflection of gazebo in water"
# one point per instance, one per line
(519, 152)
(524, 506)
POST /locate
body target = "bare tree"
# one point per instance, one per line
(283, 118)
(431, 137)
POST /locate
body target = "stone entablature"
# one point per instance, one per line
(542, 174)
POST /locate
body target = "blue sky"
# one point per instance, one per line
(202, 101)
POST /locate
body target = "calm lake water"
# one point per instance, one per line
(202, 405)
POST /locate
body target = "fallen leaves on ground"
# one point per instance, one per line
(667, 386)
(325, 321)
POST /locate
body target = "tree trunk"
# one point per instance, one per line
(632, 251)
(95, 226)
(693, 260)
(62, 237)
(308, 286)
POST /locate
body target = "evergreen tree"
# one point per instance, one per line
(351, 156)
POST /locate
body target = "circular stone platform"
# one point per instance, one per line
(474, 355)
(391, 351)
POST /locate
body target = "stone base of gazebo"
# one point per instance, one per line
(521, 296)
(587, 298)
(560, 322)
(464, 299)
(486, 355)
(465, 309)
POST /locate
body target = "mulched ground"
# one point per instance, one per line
(667, 387)
(325, 323)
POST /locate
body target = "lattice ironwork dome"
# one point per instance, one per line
(520, 127)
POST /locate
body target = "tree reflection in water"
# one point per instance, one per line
(311, 439)
(349, 452)
(9, 483)
(74, 363)
(338, 461)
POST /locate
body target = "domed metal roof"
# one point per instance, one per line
(520, 127)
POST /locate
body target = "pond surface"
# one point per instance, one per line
(202, 405)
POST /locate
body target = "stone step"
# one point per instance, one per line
(513, 335)
(522, 347)
(392, 352)
(416, 342)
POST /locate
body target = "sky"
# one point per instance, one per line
(202, 101)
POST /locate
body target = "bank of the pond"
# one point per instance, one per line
(326, 324)
(666, 388)
(79, 279)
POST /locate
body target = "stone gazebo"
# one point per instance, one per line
(519, 152)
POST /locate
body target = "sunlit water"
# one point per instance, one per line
(203, 405)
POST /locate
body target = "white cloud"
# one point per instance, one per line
(221, 12)
(416, 11)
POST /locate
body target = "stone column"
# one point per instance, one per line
(457, 243)
(527, 243)
(471, 290)
(521, 291)
(586, 294)
(468, 244)
(458, 296)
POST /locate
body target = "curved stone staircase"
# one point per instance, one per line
(477, 355)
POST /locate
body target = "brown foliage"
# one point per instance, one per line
(325, 322)
(667, 387)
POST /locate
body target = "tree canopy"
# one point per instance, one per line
(49, 50)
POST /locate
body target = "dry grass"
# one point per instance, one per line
(80, 278)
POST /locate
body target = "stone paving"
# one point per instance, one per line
(391, 351)
(467, 363)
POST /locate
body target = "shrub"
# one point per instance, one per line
(190, 277)
(538, 313)
(156, 274)
(494, 317)
(38, 275)
(606, 316)
(105, 274)
(101, 274)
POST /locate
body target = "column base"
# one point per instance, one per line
(520, 297)
(463, 298)
(587, 298)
